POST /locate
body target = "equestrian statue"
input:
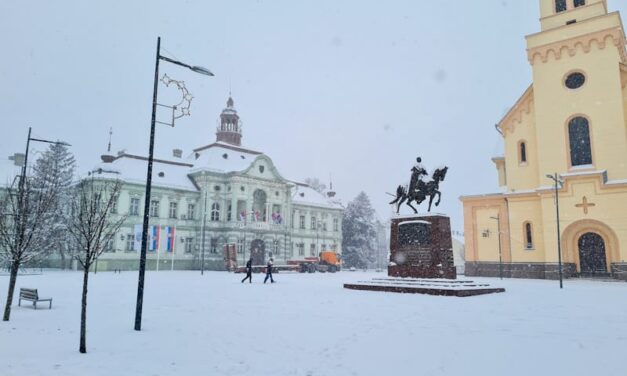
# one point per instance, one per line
(417, 190)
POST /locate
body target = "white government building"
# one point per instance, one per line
(222, 193)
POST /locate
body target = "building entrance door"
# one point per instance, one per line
(258, 252)
(592, 259)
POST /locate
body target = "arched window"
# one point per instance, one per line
(579, 139)
(579, 3)
(522, 146)
(215, 211)
(528, 236)
(560, 6)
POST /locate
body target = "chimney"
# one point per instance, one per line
(177, 153)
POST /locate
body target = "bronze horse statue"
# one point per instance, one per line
(418, 190)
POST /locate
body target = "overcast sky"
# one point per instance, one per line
(355, 90)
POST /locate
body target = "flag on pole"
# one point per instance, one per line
(153, 238)
(171, 236)
(137, 243)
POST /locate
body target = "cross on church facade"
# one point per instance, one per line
(585, 205)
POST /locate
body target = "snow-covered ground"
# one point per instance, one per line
(307, 324)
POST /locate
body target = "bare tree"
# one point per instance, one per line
(22, 227)
(92, 228)
(316, 185)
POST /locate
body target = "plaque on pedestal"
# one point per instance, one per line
(421, 247)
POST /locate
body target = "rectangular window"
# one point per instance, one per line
(302, 222)
(134, 209)
(241, 210)
(229, 211)
(154, 208)
(324, 247)
(313, 223)
(301, 249)
(560, 6)
(312, 249)
(276, 216)
(174, 208)
(240, 246)
(189, 245)
(276, 248)
(114, 205)
(109, 247)
(324, 226)
(336, 224)
(579, 3)
(191, 211)
(130, 242)
(214, 245)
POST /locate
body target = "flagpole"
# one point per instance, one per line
(157, 229)
(172, 246)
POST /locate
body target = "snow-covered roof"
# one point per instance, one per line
(306, 195)
(222, 157)
(132, 169)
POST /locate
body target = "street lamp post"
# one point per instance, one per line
(498, 225)
(142, 257)
(20, 189)
(556, 179)
(204, 224)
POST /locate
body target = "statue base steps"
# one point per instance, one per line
(442, 287)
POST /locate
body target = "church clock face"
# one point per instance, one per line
(575, 80)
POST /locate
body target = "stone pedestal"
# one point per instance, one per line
(421, 247)
(421, 261)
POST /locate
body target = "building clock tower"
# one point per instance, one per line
(230, 128)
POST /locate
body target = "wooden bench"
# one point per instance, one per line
(33, 296)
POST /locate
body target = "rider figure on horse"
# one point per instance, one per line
(417, 172)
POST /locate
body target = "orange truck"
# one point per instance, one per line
(327, 261)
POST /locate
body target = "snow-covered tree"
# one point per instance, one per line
(55, 168)
(316, 185)
(359, 233)
(92, 229)
(23, 209)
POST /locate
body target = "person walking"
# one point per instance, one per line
(249, 271)
(269, 272)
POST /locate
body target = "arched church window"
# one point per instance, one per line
(528, 236)
(215, 212)
(579, 3)
(522, 152)
(579, 139)
(575, 80)
(560, 6)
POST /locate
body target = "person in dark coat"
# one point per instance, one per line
(269, 272)
(249, 271)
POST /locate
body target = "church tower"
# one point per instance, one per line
(230, 128)
(571, 121)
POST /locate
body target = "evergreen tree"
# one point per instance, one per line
(359, 233)
(55, 168)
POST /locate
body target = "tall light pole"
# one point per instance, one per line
(202, 242)
(20, 218)
(20, 189)
(556, 179)
(498, 225)
(142, 257)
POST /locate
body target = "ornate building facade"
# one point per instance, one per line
(222, 194)
(570, 122)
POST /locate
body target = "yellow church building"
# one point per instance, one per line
(571, 121)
